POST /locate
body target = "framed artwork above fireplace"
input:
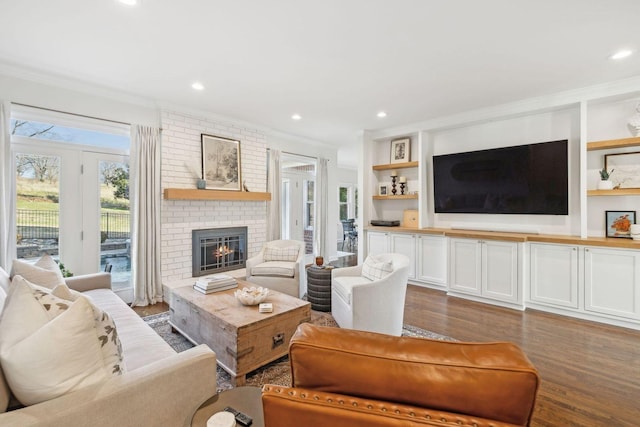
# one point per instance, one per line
(221, 163)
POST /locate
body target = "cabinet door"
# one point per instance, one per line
(500, 270)
(612, 281)
(377, 242)
(432, 259)
(554, 274)
(405, 244)
(465, 266)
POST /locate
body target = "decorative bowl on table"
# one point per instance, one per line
(252, 295)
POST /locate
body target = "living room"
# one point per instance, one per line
(337, 84)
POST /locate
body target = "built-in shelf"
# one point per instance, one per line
(616, 192)
(391, 166)
(398, 197)
(193, 194)
(613, 143)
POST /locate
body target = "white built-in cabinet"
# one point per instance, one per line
(612, 282)
(553, 278)
(485, 268)
(405, 244)
(427, 254)
(432, 259)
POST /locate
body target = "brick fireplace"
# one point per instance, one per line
(215, 250)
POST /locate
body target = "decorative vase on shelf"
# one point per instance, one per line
(634, 121)
(634, 231)
(605, 183)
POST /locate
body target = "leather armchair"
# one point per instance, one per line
(345, 378)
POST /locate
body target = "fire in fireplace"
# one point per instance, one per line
(218, 249)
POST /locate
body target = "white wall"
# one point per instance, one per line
(517, 131)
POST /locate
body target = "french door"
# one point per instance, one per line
(66, 207)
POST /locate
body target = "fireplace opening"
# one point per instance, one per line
(215, 250)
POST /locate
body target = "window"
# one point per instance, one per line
(309, 204)
(347, 197)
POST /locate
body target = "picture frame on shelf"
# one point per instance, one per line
(383, 190)
(400, 150)
(626, 169)
(221, 163)
(618, 223)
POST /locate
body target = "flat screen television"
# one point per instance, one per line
(523, 179)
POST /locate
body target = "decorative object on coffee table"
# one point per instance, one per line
(319, 288)
(252, 295)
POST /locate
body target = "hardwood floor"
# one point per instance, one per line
(590, 373)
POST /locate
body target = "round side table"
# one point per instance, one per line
(244, 399)
(319, 287)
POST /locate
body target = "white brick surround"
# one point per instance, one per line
(181, 154)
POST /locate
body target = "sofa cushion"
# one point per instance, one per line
(49, 346)
(343, 285)
(45, 272)
(141, 345)
(274, 268)
(283, 253)
(376, 268)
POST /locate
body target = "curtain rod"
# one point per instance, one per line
(73, 114)
(299, 155)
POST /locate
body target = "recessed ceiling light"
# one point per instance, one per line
(197, 86)
(382, 114)
(621, 54)
(129, 2)
(296, 117)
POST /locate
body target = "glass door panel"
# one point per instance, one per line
(37, 205)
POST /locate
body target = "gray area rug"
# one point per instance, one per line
(276, 372)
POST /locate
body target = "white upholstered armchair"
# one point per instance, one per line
(370, 297)
(278, 266)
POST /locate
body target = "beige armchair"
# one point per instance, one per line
(370, 297)
(278, 266)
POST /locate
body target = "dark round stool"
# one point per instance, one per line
(319, 287)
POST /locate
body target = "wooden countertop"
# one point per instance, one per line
(515, 237)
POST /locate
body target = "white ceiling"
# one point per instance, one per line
(334, 62)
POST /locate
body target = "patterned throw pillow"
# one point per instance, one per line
(375, 268)
(45, 272)
(50, 346)
(286, 253)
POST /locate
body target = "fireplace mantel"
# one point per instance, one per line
(194, 194)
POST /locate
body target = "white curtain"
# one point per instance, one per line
(145, 238)
(320, 229)
(7, 191)
(274, 211)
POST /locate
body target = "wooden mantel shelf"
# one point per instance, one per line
(193, 194)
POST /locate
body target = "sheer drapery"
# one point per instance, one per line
(7, 191)
(145, 233)
(320, 229)
(274, 207)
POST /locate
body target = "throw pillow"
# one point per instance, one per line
(375, 268)
(45, 272)
(49, 346)
(286, 253)
(5, 281)
(110, 344)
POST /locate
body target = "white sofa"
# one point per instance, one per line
(159, 388)
(361, 301)
(279, 266)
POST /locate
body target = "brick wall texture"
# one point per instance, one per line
(181, 167)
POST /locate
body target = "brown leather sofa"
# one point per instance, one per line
(347, 378)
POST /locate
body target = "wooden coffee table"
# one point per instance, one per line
(242, 338)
